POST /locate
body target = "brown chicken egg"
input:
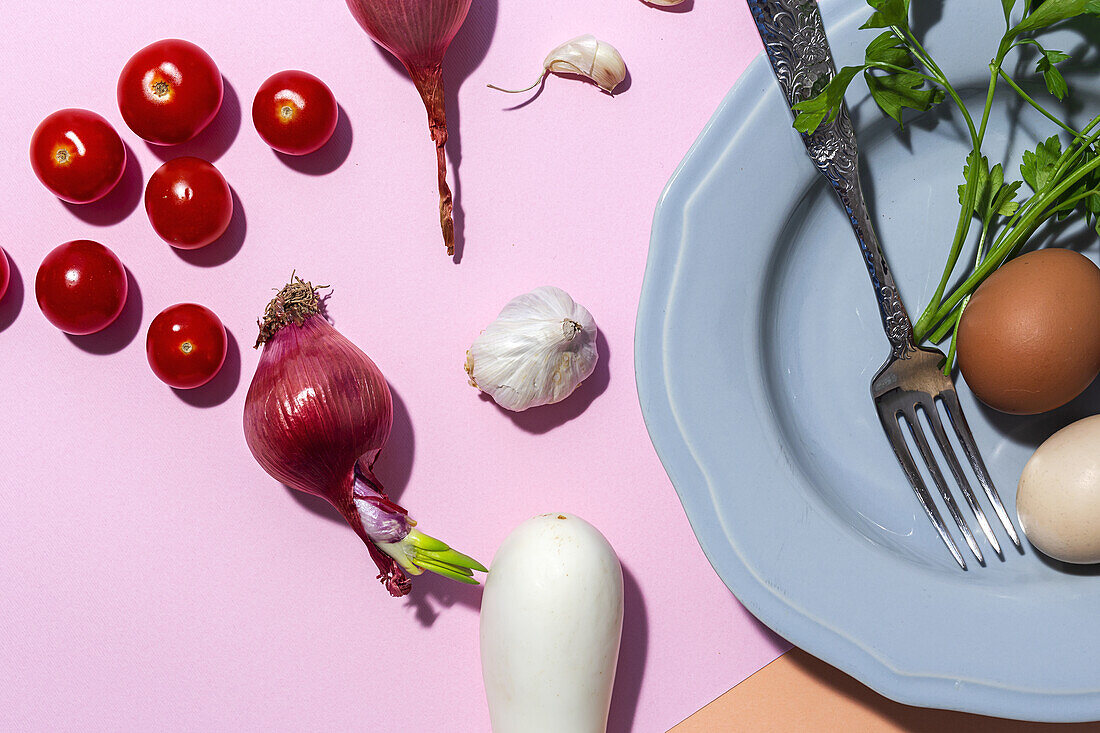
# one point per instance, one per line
(1029, 339)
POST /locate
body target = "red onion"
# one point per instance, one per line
(317, 414)
(418, 33)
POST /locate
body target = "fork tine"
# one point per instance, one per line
(966, 438)
(917, 432)
(933, 415)
(901, 450)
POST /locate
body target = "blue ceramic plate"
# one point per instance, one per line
(757, 336)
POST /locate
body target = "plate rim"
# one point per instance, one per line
(800, 628)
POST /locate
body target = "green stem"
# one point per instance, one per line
(892, 67)
(945, 326)
(1042, 110)
(918, 50)
(950, 362)
(417, 552)
(1012, 239)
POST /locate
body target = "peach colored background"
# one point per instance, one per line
(151, 575)
(800, 693)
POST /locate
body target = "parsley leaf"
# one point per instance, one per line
(893, 92)
(887, 48)
(1037, 167)
(1054, 11)
(826, 105)
(993, 196)
(888, 13)
(1056, 83)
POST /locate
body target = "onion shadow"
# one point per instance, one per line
(214, 140)
(432, 594)
(466, 53)
(225, 247)
(329, 156)
(393, 466)
(223, 385)
(633, 650)
(12, 301)
(542, 419)
(464, 56)
(122, 330)
(119, 202)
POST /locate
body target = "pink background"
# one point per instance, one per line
(152, 575)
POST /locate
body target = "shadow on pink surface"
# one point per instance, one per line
(120, 202)
(223, 385)
(539, 420)
(12, 302)
(465, 54)
(211, 142)
(393, 466)
(432, 594)
(330, 156)
(225, 247)
(122, 331)
(579, 78)
(632, 655)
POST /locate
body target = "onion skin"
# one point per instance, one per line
(300, 371)
(311, 381)
(316, 416)
(418, 33)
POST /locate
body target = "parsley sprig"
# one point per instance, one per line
(1064, 180)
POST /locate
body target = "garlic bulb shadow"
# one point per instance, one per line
(539, 420)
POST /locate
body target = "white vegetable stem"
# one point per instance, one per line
(551, 621)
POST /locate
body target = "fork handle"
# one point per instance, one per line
(794, 39)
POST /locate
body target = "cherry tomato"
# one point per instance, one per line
(186, 345)
(168, 91)
(5, 273)
(81, 287)
(188, 202)
(77, 155)
(294, 112)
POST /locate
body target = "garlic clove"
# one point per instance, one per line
(589, 57)
(537, 351)
(584, 55)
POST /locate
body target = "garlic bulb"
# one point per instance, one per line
(584, 55)
(540, 347)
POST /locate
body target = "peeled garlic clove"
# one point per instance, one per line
(584, 55)
(540, 347)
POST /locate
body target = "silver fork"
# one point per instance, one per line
(912, 379)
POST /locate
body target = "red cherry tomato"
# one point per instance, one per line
(5, 273)
(168, 91)
(77, 155)
(188, 202)
(81, 287)
(186, 345)
(294, 112)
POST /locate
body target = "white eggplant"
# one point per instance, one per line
(551, 621)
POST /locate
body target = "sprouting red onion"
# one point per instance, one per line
(418, 33)
(317, 414)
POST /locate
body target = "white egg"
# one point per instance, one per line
(1058, 500)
